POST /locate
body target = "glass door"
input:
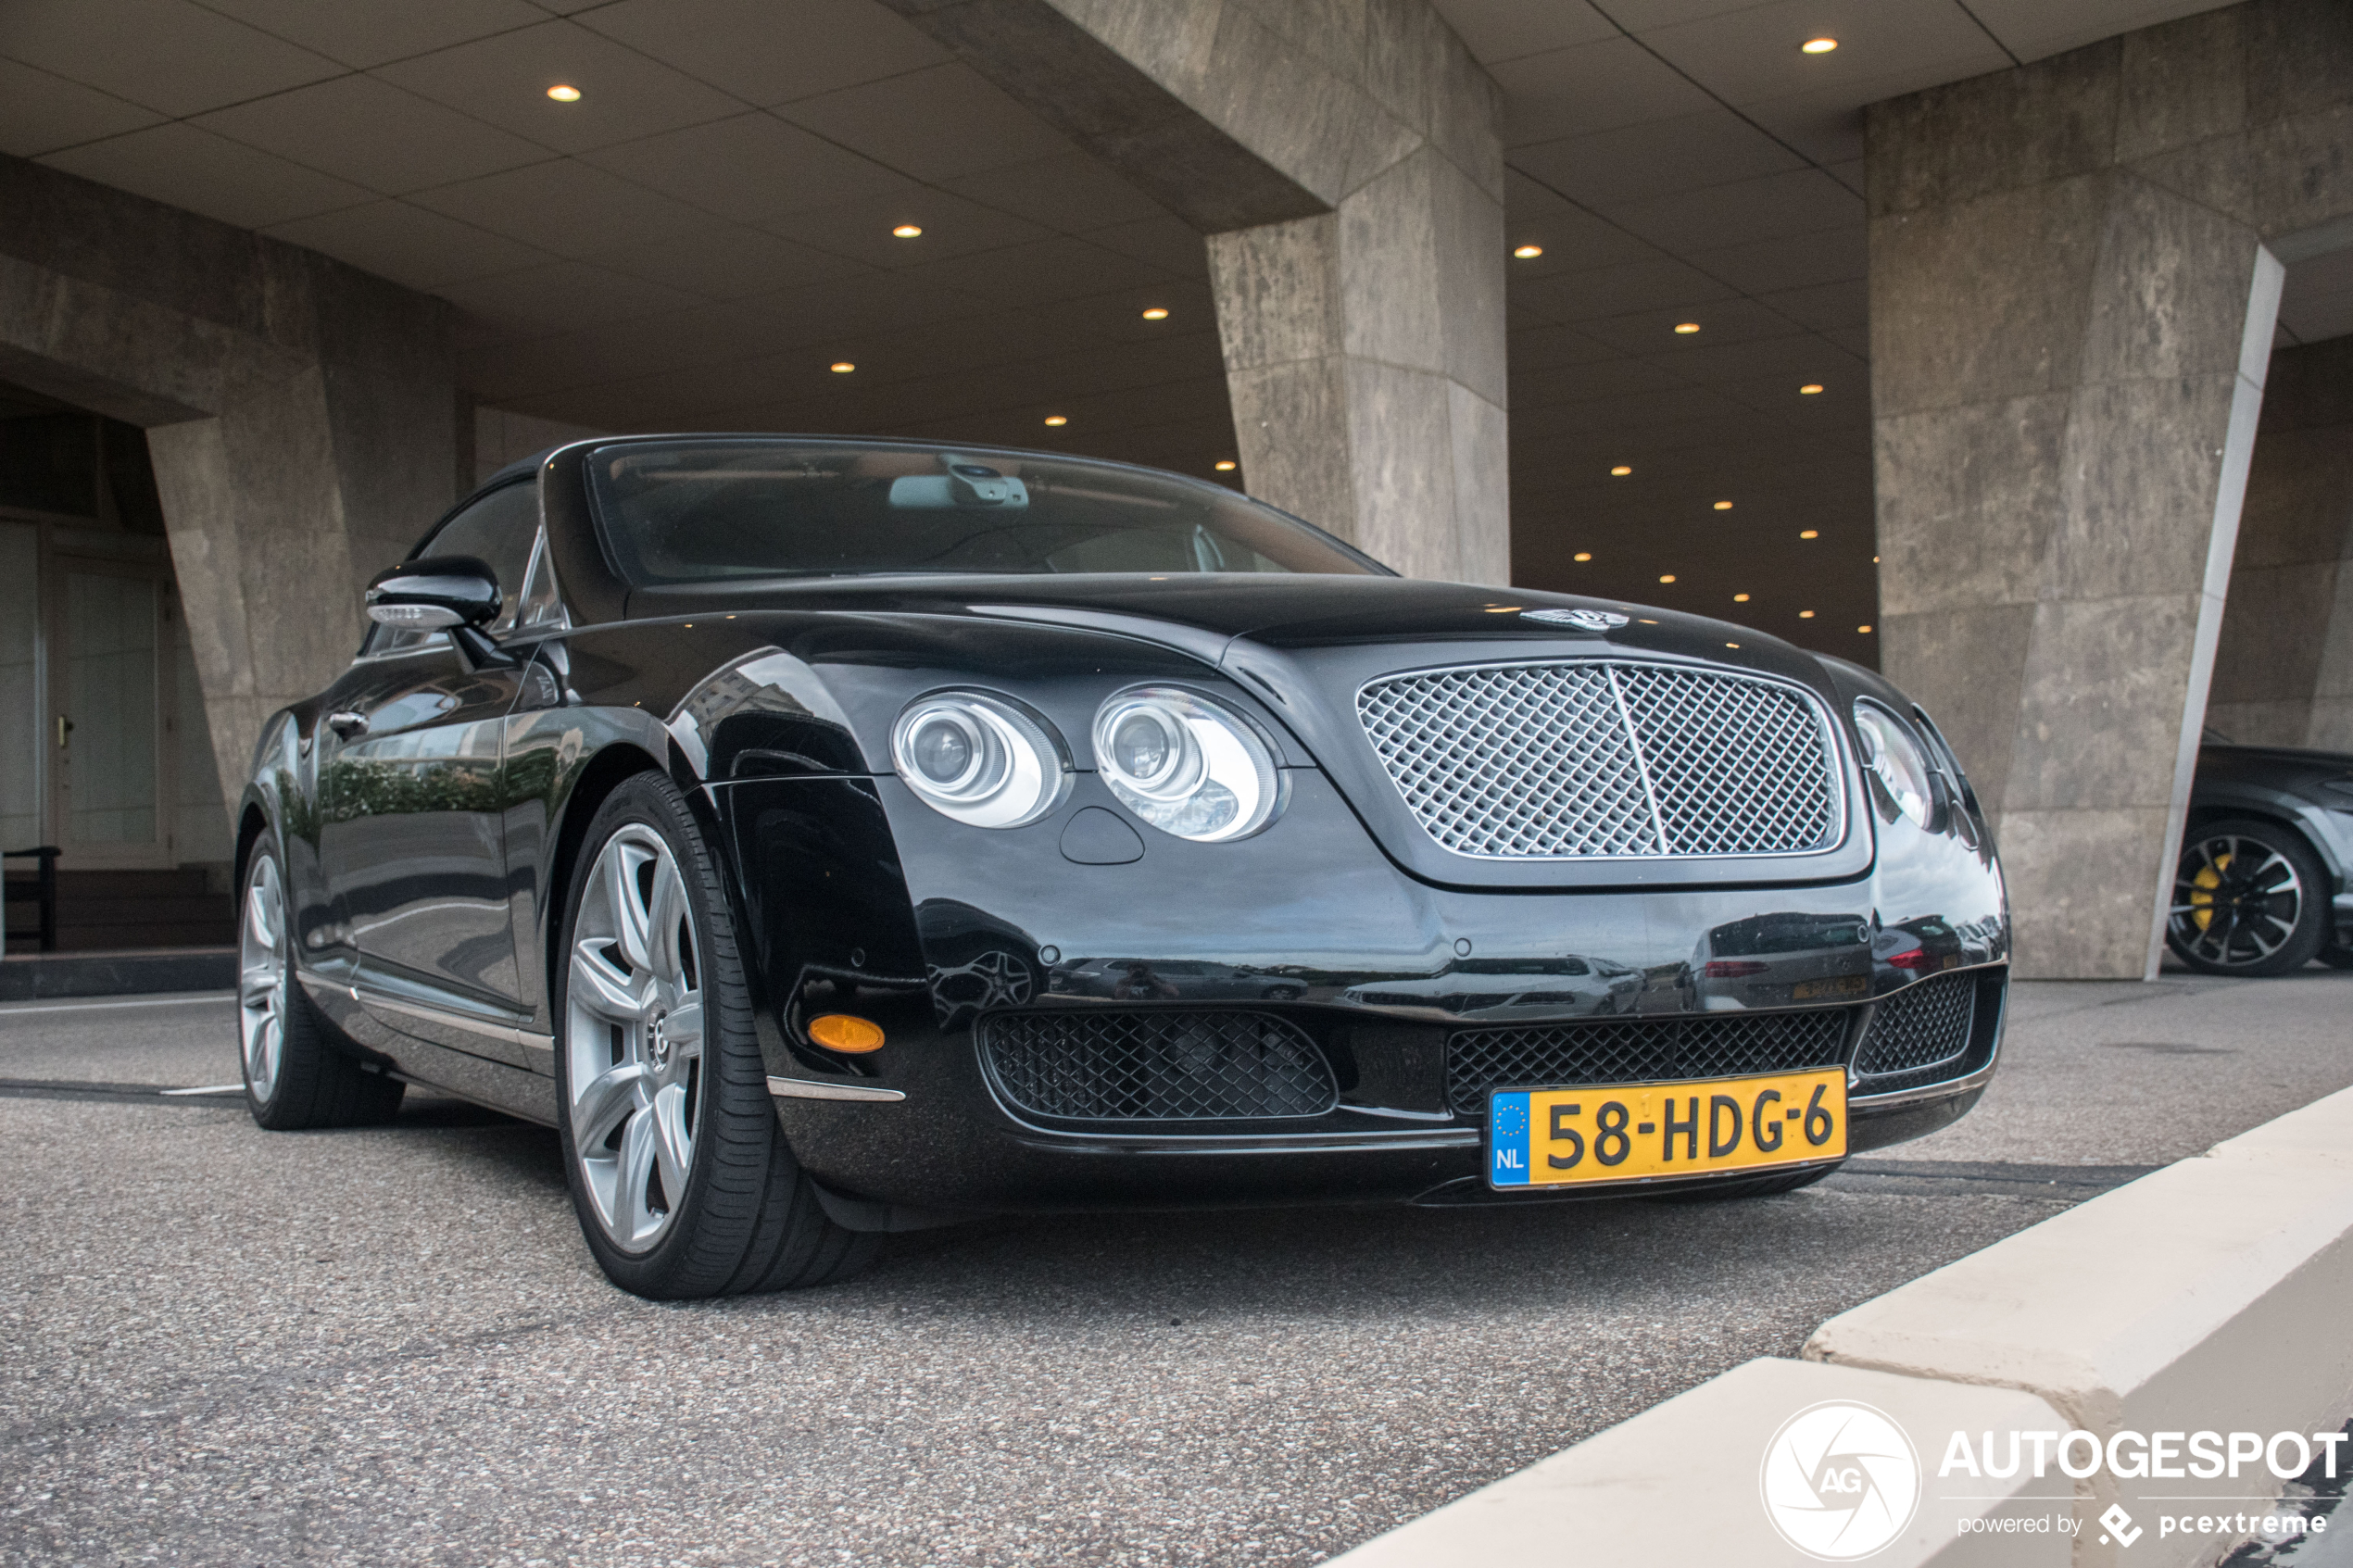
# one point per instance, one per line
(108, 669)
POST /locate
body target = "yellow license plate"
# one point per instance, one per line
(1644, 1132)
(1843, 986)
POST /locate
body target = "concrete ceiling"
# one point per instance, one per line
(707, 230)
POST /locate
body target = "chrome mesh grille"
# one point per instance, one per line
(1157, 1065)
(1601, 757)
(1925, 1024)
(1642, 1050)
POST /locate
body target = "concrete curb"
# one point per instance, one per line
(1634, 1494)
(31, 977)
(2209, 1296)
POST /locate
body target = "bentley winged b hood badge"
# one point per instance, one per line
(1582, 619)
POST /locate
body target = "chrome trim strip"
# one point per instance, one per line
(505, 1032)
(1844, 779)
(808, 1088)
(1092, 1142)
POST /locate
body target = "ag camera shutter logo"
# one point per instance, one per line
(1839, 1481)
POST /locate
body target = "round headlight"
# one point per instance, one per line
(1186, 765)
(977, 760)
(1890, 751)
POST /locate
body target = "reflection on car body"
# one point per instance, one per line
(1781, 959)
(1569, 986)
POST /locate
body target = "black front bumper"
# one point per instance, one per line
(955, 1141)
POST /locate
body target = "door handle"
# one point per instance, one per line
(347, 724)
(64, 728)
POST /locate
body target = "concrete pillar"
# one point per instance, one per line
(2071, 313)
(2283, 671)
(1346, 162)
(302, 418)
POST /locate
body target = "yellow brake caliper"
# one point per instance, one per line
(2205, 882)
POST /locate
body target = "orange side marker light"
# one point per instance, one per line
(840, 1032)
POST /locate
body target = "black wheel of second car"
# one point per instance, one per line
(2249, 898)
(678, 1168)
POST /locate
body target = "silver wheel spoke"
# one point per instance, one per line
(684, 1025)
(597, 986)
(674, 1147)
(610, 1096)
(628, 912)
(668, 908)
(636, 1162)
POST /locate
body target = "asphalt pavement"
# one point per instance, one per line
(225, 1346)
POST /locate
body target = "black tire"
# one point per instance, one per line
(318, 1080)
(748, 1220)
(1756, 1186)
(2243, 915)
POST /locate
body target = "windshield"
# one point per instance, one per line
(696, 511)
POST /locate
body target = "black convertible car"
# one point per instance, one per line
(831, 836)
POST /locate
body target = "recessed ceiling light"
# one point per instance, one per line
(1809, 389)
(564, 93)
(1723, 505)
(841, 367)
(1527, 253)
(1669, 577)
(1687, 328)
(1225, 465)
(1818, 46)
(1731, 645)
(1865, 630)
(1809, 533)
(1157, 313)
(1057, 418)
(1621, 472)
(1739, 598)
(1806, 615)
(1582, 555)
(1875, 560)
(907, 230)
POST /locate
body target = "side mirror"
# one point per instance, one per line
(435, 594)
(456, 593)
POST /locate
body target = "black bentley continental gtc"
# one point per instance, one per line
(830, 837)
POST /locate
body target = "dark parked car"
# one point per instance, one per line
(830, 837)
(2261, 888)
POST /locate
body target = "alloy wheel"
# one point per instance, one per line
(262, 976)
(2237, 900)
(633, 1038)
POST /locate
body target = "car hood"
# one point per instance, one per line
(1205, 614)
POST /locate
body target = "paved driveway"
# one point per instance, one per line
(226, 1346)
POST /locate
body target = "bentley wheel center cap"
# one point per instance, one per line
(658, 1039)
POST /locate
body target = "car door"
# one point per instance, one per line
(412, 846)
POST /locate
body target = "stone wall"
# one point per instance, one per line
(2283, 671)
(302, 417)
(2071, 314)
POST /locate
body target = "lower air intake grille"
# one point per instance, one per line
(1640, 1051)
(1924, 1025)
(1156, 1066)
